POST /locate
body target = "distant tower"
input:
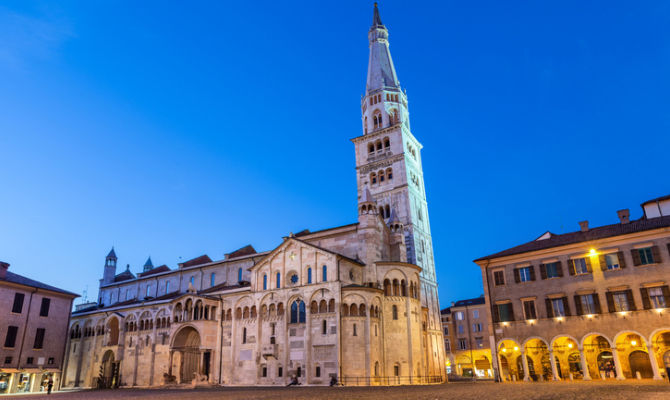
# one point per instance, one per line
(110, 268)
(148, 266)
(388, 162)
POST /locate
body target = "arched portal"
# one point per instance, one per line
(568, 361)
(109, 371)
(187, 344)
(509, 351)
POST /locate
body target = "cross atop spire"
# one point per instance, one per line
(376, 20)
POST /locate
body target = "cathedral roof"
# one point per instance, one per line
(203, 259)
(243, 251)
(154, 271)
(125, 275)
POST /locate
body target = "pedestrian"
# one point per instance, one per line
(333, 380)
(50, 385)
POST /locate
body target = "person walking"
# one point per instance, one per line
(50, 385)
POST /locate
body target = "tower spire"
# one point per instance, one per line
(381, 72)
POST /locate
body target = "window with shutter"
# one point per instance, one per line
(549, 307)
(543, 271)
(571, 267)
(578, 305)
(44, 309)
(622, 260)
(529, 309)
(499, 277)
(10, 339)
(17, 307)
(656, 297)
(39, 338)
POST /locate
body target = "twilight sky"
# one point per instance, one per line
(174, 129)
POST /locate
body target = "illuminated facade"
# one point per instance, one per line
(356, 302)
(591, 304)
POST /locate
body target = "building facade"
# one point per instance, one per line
(33, 330)
(356, 302)
(465, 326)
(590, 304)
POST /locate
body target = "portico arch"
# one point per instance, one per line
(186, 345)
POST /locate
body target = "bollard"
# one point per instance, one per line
(541, 378)
(602, 375)
(513, 378)
(571, 377)
(637, 375)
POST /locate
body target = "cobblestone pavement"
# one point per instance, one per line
(645, 390)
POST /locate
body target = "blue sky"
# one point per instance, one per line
(174, 129)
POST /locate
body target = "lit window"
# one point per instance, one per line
(524, 274)
(462, 344)
(558, 307)
(297, 312)
(459, 316)
(588, 304)
(476, 327)
(529, 309)
(505, 312)
(479, 341)
(239, 275)
(309, 275)
(325, 273)
(278, 280)
(580, 266)
(646, 256)
(265, 282)
(656, 297)
(612, 261)
(212, 279)
(499, 277)
(553, 270)
(620, 301)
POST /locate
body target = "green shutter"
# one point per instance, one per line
(559, 268)
(543, 271)
(596, 302)
(610, 302)
(656, 254)
(517, 278)
(603, 262)
(550, 310)
(622, 260)
(578, 305)
(646, 301)
(496, 313)
(588, 263)
(571, 267)
(566, 306)
(666, 295)
(636, 257)
(630, 300)
(532, 272)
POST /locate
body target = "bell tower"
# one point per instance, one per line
(388, 163)
(110, 268)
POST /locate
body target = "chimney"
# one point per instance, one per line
(624, 215)
(3, 269)
(584, 225)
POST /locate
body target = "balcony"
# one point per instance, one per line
(269, 351)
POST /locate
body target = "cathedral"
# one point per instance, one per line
(357, 303)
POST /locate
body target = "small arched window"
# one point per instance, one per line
(381, 176)
(373, 178)
(325, 273)
(371, 148)
(389, 173)
(387, 143)
(239, 274)
(309, 275)
(395, 312)
(193, 280)
(278, 280)
(378, 143)
(265, 282)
